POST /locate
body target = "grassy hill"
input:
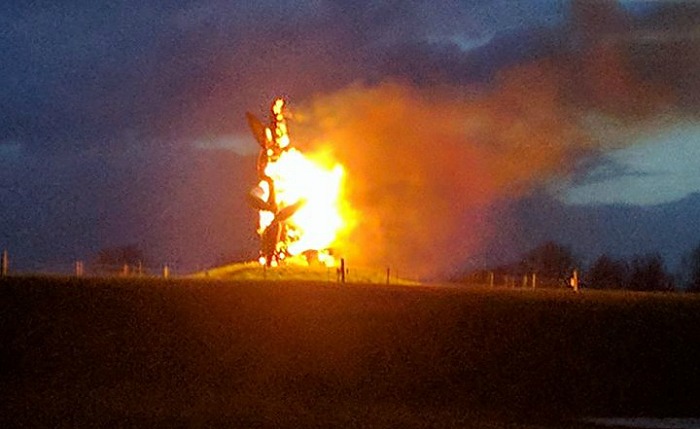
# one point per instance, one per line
(253, 271)
(164, 353)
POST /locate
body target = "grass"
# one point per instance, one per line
(163, 353)
(253, 271)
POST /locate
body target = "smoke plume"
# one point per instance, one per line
(425, 165)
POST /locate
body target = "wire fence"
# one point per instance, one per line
(82, 268)
(516, 281)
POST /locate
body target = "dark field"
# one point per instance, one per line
(150, 353)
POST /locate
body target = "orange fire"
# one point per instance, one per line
(310, 187)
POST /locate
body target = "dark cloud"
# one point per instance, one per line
(82, 72)
(139, 63)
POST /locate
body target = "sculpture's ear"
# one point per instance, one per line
(257, 128)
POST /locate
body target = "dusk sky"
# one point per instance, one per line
(125, 123)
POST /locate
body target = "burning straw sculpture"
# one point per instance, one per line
(298, 198)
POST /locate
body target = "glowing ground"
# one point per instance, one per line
(253, 271)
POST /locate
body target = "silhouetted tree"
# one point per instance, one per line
(648, 273)
(691, 270)
(551, 260)
(112, 259)
(608, 273)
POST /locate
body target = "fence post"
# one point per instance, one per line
(388, 271)
(166, 271)
(79, 268)
(341, 270)
(491, 278)
(574, 280)
(534, 280)
(4, 264)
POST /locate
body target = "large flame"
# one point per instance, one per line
(299, 178)
(315, 182)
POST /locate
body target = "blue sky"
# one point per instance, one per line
(660, 166)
